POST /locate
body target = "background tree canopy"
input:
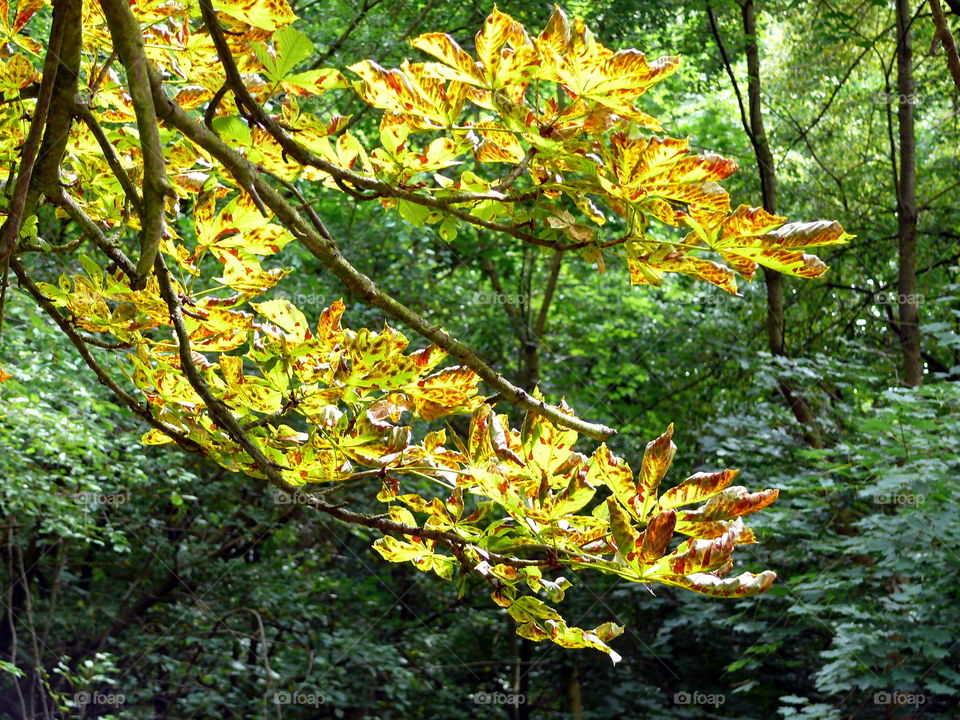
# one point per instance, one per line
(557, 212)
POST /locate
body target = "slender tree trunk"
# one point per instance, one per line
(776, 317)
(574, 691)
(909, 315)
(530, 330)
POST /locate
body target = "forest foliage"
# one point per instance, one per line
(178, 175)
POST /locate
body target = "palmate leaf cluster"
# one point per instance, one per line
(557, 153)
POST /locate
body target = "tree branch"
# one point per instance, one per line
(84, 113)
(128, 44)
(221, 414)
(322, 245)
(504, 299)
(102, 375)
(729, 68)
(946, 37)
(31, 146)
(93, 231)
(367, 6)
(555, 262)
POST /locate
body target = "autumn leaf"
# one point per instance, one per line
(751, 236)
(657, 457)
(266, 15)
(571, 55)
(696, 488)
(741, 586)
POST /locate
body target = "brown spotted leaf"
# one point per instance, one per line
(648, 269)
(456, 63)
(449, 391)
(740, 586)
(697, 488)
(752, 236)
(657, 536)
(656, 461)
(624, 535)
(607, 469)
(693, 556)
(733, 502)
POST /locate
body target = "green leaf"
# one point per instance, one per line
(233, 130)
(448, 230)
(413, 213)
(292, 47)
(9, 667)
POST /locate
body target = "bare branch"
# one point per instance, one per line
(727, 65)
(366, 7)
(211, 112)
(555, 262)
(508, 307)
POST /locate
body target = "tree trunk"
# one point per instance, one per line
(776, 317)
(574, 691)
(531, 330)
(909, 315)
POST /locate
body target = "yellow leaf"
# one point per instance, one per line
(458, 65)
(156, 437)
(287, 316)
(263, 14)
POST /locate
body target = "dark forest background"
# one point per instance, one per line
(141, 583)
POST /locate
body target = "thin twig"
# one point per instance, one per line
(211, 112)
(93, 231)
